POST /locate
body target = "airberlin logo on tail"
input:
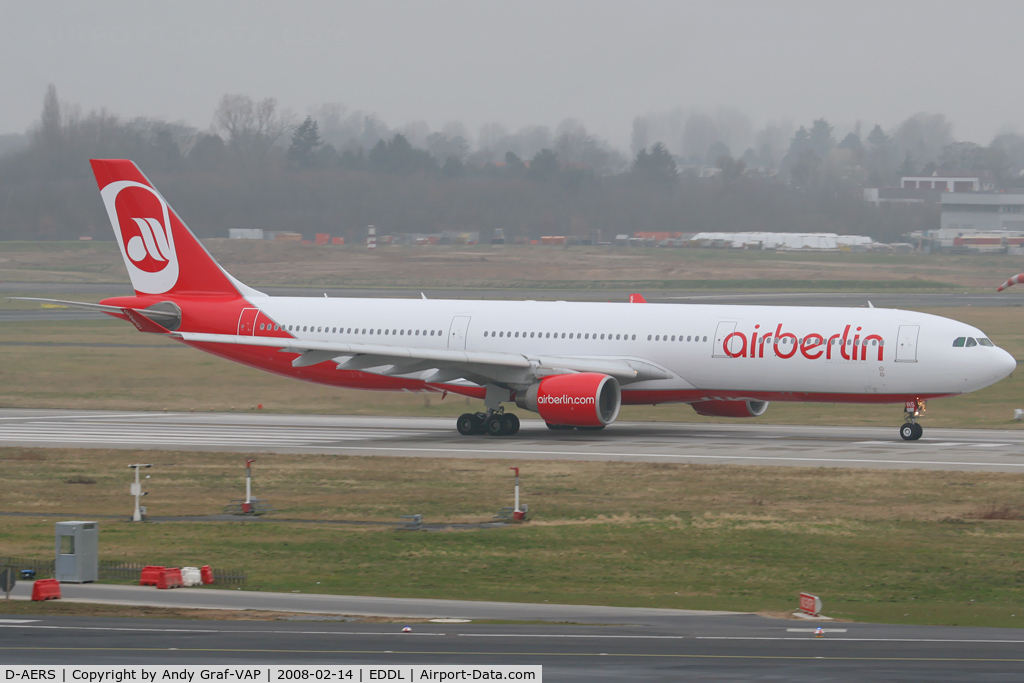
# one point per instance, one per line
(850, 344)
(142, 224)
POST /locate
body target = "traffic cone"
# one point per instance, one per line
(819, 632)
(407, 629)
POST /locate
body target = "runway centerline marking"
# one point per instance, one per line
(448, 653)
(847, 639)
(212, 630)
(562, 635)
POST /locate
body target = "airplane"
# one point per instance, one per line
(575, 364)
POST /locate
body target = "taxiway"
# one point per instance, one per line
(739, 444)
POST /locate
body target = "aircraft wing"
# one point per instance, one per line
(448, 364)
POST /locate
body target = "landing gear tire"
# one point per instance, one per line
(468, 424)
(514, 422)
(558, 427)
(498, 425)
(911, 431)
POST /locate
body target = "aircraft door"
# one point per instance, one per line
(457, 334)
(247, 321)
(906, 344)
(723, 331)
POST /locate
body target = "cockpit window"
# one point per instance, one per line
(959, 341)
(985, 342)
(971, 341)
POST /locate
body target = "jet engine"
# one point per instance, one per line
(585, 399)
(731, 408)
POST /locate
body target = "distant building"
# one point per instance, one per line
(245, 233)
(982, 212)
(928, 189)
(947, 181)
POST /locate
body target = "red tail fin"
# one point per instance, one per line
(161, 253)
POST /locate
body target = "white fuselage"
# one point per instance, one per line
(765, 349)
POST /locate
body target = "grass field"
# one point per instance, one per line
(261, 263)
(903, 547)
(153, 373)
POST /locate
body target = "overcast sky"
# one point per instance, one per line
(523, 62)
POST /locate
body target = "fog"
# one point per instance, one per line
(765, 67)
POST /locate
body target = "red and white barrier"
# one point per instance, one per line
(151, 574)
(46, 589)
(191, 576)
(170, 578)
(206, 574)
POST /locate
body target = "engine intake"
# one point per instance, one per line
(585, 399)
(731, 408)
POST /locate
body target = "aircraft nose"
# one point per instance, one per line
(1005, 363)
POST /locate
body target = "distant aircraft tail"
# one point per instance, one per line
(161, 253)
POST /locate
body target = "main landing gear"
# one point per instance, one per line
(911, 430)
(493, 423)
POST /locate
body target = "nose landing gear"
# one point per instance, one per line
(911, 430)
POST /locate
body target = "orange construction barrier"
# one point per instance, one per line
(150, 575)
(207, 574)
(46, 589)
(170, 578)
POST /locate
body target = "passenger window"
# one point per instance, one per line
(648, 337)
(563, 335)
(705, 338)
(634, 337)
(971, 341)
(985, 341)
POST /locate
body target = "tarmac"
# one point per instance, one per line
(710, 443)
(571, 642)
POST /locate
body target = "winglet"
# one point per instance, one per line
(637, 299)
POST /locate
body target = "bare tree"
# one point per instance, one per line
(252, 128)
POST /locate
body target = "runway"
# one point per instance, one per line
(607, 292)
(697, 647)
(738, 444)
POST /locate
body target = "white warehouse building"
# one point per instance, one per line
(783, 240)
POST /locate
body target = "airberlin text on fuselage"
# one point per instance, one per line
(840, 346)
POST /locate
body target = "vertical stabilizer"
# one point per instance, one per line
(161, 254)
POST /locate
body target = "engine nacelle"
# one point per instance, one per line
(731, 408)
(585, 399)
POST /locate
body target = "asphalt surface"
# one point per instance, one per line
(782, 445)
(909, 300)
(670, 646)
